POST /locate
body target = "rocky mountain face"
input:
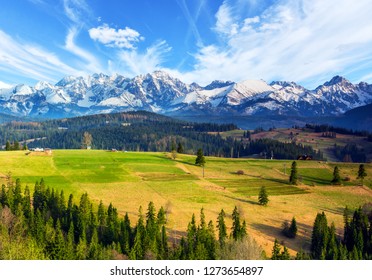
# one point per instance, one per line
(161, 93)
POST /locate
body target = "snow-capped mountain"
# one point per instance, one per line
(159, 92)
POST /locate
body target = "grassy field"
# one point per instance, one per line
(131, 179)
(310, 138)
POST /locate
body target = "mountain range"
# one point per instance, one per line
(159, 92)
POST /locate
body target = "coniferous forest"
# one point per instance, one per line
(48, 225)
(143, 131)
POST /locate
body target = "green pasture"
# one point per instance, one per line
(131, 179)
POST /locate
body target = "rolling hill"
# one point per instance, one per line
(131, 179)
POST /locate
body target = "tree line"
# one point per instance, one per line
(44, 225)
(144, 131)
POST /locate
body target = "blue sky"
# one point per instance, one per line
(195, 40)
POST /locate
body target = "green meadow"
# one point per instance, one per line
(133, 179)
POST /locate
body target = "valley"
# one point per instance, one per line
(132, 179)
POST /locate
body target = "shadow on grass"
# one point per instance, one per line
(337, 211)
(280, 181)
(315, 180)
(242, 200)
(303, 242)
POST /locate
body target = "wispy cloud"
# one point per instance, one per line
(120, 38)
(30, 61)
(90, 61)
(133, 62)
(305, 41)
(78, 11)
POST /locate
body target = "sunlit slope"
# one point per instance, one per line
(130, 180)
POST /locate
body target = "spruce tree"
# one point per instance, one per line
(138, 250)
(293, 176)
(16, 146)
(293, 228)
(263, 198)
(284, 255)
(319, 237)
(238, 230)
(191, 238)
(180, 148)
(8, 147)
(222, 229)
(200, 160)
(70, 243)
(275, 254)
(336, 176)
(361, 173)
(152, 229)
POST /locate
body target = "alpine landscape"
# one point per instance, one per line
(188, 130)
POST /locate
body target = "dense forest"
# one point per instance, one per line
(142, 131)
(340, 130)
(43, 225)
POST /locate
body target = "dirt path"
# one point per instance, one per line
(183, 167)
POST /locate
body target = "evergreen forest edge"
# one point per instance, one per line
(44, 226)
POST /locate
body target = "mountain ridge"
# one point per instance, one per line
(161, 93)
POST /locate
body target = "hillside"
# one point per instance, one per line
(359, 118)
(357, 143)
(131, 179)
(140, 131)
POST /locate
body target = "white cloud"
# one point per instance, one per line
(91, 63)
(30, 61)
(225, 22)
(121, 38)
(132, 62)
(5, 85)
(77, 10)
(302, 41)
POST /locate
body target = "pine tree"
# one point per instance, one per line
(16, 146)
(138, 250)
(319, 237)
(191, 238)
(238, 230)
(336, 176)
(293, 228)
(332, 252)
(81, 248)
(276, 250)
(284, 255)
(263, 198)
(361, 173)
(200, 160)
(152, 229)
(180, 148)
(125, 235)
(293, 176)
(94, 247)
(162, 219)
(222, 229)
(70, 243)
(101, 217)
(8, 147)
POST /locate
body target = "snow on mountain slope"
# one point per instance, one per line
(213, 96)
(159, 92)
(247, 90)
